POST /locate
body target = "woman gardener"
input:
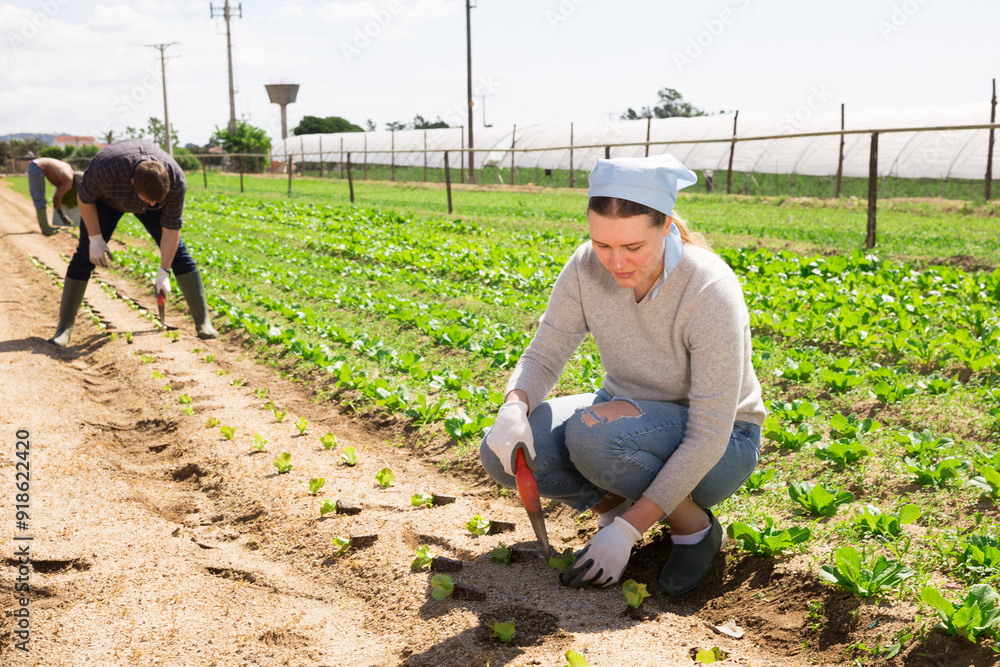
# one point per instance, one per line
(675, 427)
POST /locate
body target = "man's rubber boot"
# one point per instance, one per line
(72, 297)
(689, 564)
(194, 293)
(43, 222)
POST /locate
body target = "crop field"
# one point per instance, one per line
(879, 474)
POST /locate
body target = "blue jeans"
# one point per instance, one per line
(80, 266)
(36, 185)
(578, 464)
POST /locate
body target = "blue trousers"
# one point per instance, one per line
(579, 464)
(80, 266)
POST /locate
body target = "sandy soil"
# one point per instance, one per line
(158, 542)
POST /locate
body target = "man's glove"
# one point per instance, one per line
(162, 283)
(604, 558)
(509, 429)
(99, 253)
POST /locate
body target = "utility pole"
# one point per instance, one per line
(468, 47)
(483, 97)
(163, 73)
(227, 14)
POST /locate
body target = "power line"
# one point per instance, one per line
(163, 72)
(227, 14)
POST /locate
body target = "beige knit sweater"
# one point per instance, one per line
(690, 344)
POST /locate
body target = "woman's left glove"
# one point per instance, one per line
(604, 558)
(162, 283)
(510, 430)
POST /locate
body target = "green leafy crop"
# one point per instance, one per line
(759, 479)
(873, 521)
(329, 441)
(441, 586)
(212, 422)
(421, 499)
(634, 593)
(349, 456)
(423, 558)
(563, 560)
(864, 579)
(283, 463)
(817, 499)
(975, 616)
(259, 442)
(500, 554)
(574, 659)
(477, 525)
(341, 545)
(327, 506)
(315, 484)
(384, 477)
(302, 425)
(228, 432)
(766, 540)
(502, 631)
(843, 452)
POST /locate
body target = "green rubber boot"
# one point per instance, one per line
(43, 222)
(194, 293)
(72, 297)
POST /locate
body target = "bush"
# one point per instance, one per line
(81, 156)
(55, 152)
(186, 159)
(246, 139)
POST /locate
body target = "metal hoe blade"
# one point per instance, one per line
(161, 303)
(527, 488)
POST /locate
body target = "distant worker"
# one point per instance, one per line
(59, 174)
(132, 176)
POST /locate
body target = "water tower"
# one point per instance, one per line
(282, 94)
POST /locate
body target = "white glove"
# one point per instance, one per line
(162, 282)
(98, 250)
(510, 429)
(604, 558)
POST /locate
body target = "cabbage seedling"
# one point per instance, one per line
(258, 442)
(167, 387)
(342, 544)
(574, 659)
(237, 382)
(173, 335)
(228, 432)
(147, 358)
(501, 554)
(315, 484)
(212, 422)
(634, 593)
(283, 463)
(209, 358)
(478, 525)
(279, 415)
(329, 441)
(384, 477)
(502, 631)
(421, 499)
(441, 586)
(188, 410)
(563, 561)
(184, 399)
(157, 375)
(327, 506)
(424, 557)
(260, 393)
(302, 425)
(349, 456)
(128, 337)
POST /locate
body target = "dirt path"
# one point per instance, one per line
(158, 542)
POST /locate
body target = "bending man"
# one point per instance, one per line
(132, 176)
(59, 174)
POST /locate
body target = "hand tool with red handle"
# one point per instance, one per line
(527, 487)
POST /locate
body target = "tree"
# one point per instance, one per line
(672, 105)
(395, 126)
(27, 147)
(158, 135)
(54, 152)
(81, 156)
(328, 125)
(246, 139)
(372, 125)
(420, 124)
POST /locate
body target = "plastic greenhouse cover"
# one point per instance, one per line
(933, 154)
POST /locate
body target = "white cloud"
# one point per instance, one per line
(118, 17)
(292, 10)
(343, 11)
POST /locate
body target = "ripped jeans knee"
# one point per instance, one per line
(603, 413)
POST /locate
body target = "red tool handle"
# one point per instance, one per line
(527, 487)
(161, 298)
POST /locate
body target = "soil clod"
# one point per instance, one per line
(442, 564)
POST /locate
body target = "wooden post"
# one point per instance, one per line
(392, 155)
(341, 158)
(461, 170)
(241, 172)
(321, 156)
(571, 155)
(366, 156)
(447, 180)
(732, 150)
(649, 124)
(302, 152)
(425, 156)
(872, 191)
(840, 158)
(350, 178)
(513, 141)
(607, 152)
(989, 153)
(204, 173)
(290, 167)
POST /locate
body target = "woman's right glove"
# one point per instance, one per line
(509, 432)
(99, 252)
(603, 560)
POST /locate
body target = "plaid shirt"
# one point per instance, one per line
(109, 178)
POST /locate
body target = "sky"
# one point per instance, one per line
(83, 67)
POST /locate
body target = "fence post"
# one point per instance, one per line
(571, 155)
(290, 167)
(241, 173)
(392, 155)
(872, 191)
(732, 150)
(447, 181)
(204, 172)
(649, 124)
(302, 152)
(350, 179)
(461, 157)
(425, 156)
(989, 154)
(840, 157)
(513, 141)
(607, 152)
(321, 156)
(366, 156)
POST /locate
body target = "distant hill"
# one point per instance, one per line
(47, 138)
